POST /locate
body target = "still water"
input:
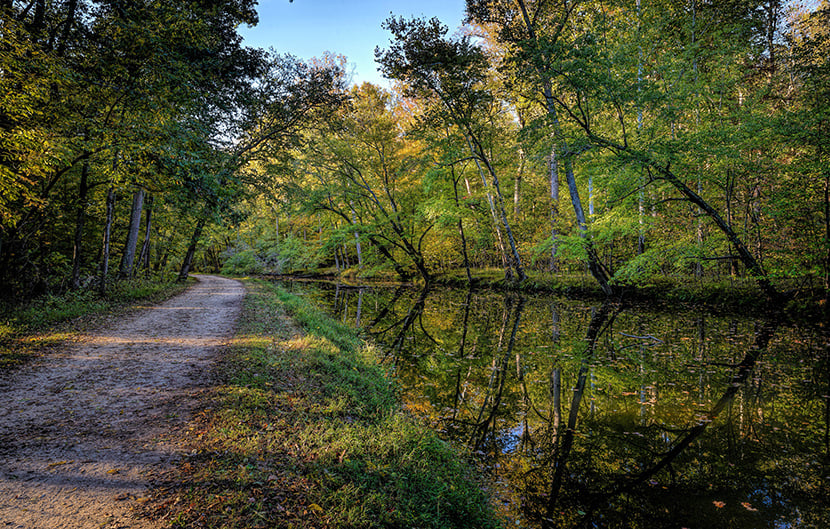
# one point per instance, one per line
(592, 415)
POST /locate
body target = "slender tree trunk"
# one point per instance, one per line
(359, 250)
(71, 9)
(553, 173)
(594, 264)
(128, 257)
(77, 255)
(461, 228)
(756, 222)
(105, 254)
(514, 252)
(699, 235)
(478, 151)
(746, 257)
(730, 191)
(517, 186)
(827, 233)
(191, 248)
(144, 255)
(641, 234)
(356, 238)
(505, 261)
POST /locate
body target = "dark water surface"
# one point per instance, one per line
(590, 415)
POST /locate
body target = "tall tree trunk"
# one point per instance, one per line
(827, 233)
(594, 264)
(105, 253)
(515, 259)
(128, 257)
(337, 259)
(71, 9)
(461, 228)
(753, 265)
(505, 261)
(517, 186)
(357, 247)
(191, 248)
(641, 233)
(77, 255)
(553, 173)
(144, 255)
(699, 235)
(730, 192)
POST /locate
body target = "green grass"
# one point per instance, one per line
(30, 328)
(306, 430)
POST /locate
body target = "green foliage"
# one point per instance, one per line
(162, 97)
(242, 262)
(703, 129)
(288, 255)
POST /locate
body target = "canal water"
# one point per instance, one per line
(595, 415)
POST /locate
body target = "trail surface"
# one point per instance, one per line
(83, 431)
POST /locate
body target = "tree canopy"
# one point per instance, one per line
(691, 138)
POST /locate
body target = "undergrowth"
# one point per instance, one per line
(306, 430)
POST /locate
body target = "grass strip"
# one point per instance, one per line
(30, 328)
(306, 430)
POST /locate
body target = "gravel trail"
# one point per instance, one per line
(83, 431)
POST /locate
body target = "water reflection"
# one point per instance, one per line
(594, 415)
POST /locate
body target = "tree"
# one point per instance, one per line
(451, 71)
(519, 27)
(286, 95)
(94, 101)
(365, 172)
(581, 59)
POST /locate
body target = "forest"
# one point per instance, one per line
(629, 141)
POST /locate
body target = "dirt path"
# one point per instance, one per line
(83, 431)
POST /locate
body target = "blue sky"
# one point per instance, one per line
(307, 28)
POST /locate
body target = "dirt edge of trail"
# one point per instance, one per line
(85, 431)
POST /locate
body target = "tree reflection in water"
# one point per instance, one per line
(609, 416)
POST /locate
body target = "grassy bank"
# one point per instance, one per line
(730, 295)
(32, 327)
(305, 430)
